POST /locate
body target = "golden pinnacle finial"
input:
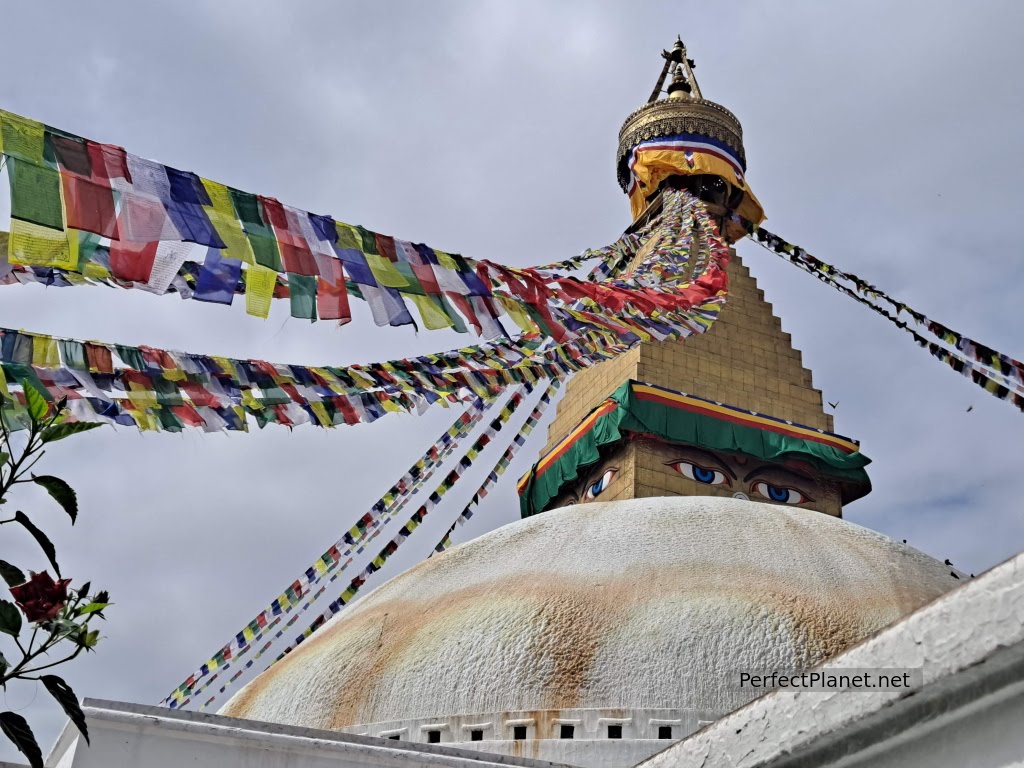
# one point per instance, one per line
(679, 137)
(684, 82)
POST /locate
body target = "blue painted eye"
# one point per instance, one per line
(699, 474)
(779, 494)
(702, 475)
(596, 489)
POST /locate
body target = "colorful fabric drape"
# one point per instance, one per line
(338, 554)
(645, 409)
(995, 372)
(499, 468)
(654, 160)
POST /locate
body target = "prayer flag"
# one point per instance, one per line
(302, 290)
(35, 194)
(218, 278)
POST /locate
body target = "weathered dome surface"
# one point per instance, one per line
(648, 603)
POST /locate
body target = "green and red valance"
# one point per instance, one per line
(676, 417)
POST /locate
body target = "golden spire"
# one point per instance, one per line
(685, 135)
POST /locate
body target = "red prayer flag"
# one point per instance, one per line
(90, 207)
(332, 295)
(99, 358)
(132, 261)
(188, 415)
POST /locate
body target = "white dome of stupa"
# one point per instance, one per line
(637, 614)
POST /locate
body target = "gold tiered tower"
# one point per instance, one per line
(746, 359)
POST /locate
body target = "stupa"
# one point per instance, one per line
(682, 524)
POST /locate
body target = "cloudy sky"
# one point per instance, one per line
(881, 136)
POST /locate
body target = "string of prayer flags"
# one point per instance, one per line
(433, 500)
(334, 556)
(90, 212)
(164, 390)
(999, 374)
(183, 694)
(500, 466)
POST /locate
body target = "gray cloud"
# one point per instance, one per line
(881, 136)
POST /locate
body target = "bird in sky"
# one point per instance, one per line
(834, 405)
(947, 561)
(970, 408)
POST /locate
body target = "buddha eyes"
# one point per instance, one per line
(596, 489)
(779, 494)
(699, 474)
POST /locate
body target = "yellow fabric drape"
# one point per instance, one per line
(652, 166)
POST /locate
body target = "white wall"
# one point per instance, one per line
(134, 736)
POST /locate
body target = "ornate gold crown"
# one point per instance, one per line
(684, 111)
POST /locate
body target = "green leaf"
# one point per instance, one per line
(35, 402)
(44, 543)
(15, 728)
(10, 618)
(4, 457)
(88, 638)
(4, 665)
(91, 608)
(61, 492)
(60, 431)
(62, 692)
(12, 575)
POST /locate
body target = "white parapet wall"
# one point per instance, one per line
(969, 710)
(137, 736)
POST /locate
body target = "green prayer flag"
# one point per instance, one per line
(168, 420)
(266, 251)
(131, 356)
(302, 289)
(73, 354)
(35, 194)
(368, 243)
(261, 236)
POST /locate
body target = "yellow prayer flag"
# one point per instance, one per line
(321, 414)
(259, 290)
(44, 351)
(142, 399)
(250, 402)
(390, 405)
(363, 381)
(446, 261)
(95, 271)
(20, 137)
(433, 316)
(518, 314)
(220, 197)
(236, 242)
(36, 246)
(385, 271)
